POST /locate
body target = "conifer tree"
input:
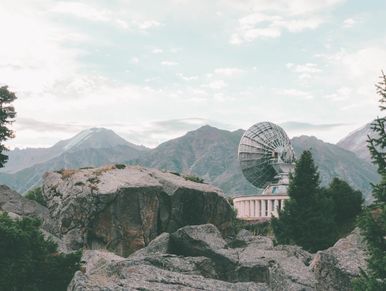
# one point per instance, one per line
(348, 202)
(308, 216)
(7, 115)
(373, 221)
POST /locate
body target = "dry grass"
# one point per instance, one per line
(66, 173)
(104, 169)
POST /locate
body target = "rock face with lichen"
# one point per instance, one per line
(123, 208)
(198, 258)
(336, 267)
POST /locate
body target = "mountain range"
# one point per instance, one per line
(356, 142)
(207, 152)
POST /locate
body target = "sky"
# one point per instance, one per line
(153, 70)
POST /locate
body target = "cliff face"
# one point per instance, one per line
(124, 209)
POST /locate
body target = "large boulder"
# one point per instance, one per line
(123, 208)
(106, 271)
(17, 205)
(336, 267)
(197, 257)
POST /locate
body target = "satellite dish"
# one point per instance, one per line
(266, 154)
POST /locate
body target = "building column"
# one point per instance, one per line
(262, 208)
(276, 207)
(269, 208)
(251, 206)
(257, 208)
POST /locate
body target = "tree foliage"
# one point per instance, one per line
(7, 115)
(347, 201)
(373, 220)
(36, 195)
(308, 216)
(29, 261)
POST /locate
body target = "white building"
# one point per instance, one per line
(261, 206)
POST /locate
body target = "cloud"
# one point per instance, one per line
(294, 93)
(342, 94)
(186, 78)
(349, 22)
(304, 126)
(304, 71)
(228, 72)
(353, 74)
(118, 18)
(147, 24)
(134, 60)
(169, 63)
(216, 85)
(157, 51)
(82, 10)
(22, 124)
(272, 18)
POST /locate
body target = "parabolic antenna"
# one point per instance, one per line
(265, 154)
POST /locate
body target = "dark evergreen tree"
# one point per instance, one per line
(7, 115)
(373, 221)
(348, 202)
(308, 216)
(29, 261)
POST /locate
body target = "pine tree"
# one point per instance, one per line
(373, 221)
(29, 261)
(308, 216)
(7, 114)
(348, 202)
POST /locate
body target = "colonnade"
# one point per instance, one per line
(255, 207)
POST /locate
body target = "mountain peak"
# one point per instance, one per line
(356, 142)
(206, 127)
(96, 137)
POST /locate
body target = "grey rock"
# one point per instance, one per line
(105, 272)
(337, 266)
(258, 261)
(123, 210)
(197, 239)
(11, 201)
(18, 206)
(197, 258)
(160, 245)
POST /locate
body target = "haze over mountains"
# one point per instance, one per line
(207, 152)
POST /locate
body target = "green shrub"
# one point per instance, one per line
(36, 195)
(120, 166)
(31, 262)
(194, 179)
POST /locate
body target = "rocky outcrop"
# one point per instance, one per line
(123, 208)
(337, 266)
(18, 206)
(197, 257)
(105, 271)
